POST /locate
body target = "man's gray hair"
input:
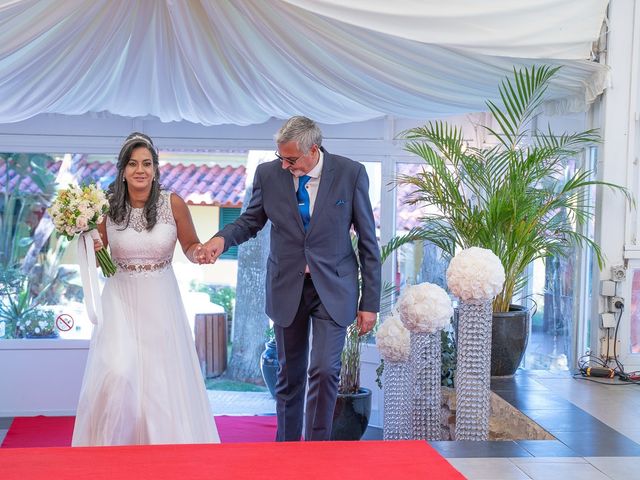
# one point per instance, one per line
(302, 130)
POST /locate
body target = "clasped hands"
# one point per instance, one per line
(209, 251)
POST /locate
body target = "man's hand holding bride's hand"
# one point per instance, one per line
(213, 248)
(196, 254)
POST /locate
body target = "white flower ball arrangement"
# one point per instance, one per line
(392, 339)
(475, 274)
(425, 308)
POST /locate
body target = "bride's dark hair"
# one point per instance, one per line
(119, 204)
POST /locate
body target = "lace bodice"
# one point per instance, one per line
(137, 251)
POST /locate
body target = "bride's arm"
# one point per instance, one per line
(104, 241)
(102, 230)
(187, 235)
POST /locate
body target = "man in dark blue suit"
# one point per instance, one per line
(313, 199)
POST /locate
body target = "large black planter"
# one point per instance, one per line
(509, 337)
(351, 416)
(269, 366)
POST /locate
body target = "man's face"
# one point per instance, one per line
(296, 161)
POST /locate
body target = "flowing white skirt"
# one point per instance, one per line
(142, 383)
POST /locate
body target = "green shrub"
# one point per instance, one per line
(38, 323)
(222, 295)
(21, 309)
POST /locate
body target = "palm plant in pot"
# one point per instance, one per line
(513, 197)
(353, 406)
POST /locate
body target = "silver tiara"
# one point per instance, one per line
(136, 138)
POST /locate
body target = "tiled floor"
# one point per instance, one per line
(549, 468)
(597, 432)
(594, 425)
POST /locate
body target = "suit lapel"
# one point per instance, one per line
(326, 180)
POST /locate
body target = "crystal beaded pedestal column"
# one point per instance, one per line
(397, 401)
(426, 366)
(473, 370)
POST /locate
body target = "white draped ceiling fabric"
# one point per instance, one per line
(244, 61)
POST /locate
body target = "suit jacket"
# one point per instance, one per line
(342, 201)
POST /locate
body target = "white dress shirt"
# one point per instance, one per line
(313, 183)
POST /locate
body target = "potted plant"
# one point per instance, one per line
(269, 362)
(353, 405)
(512, 197)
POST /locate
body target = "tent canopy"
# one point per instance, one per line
(244, 61)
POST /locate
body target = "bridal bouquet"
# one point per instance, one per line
(78, 210)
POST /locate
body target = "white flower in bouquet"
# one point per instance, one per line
(82, 222)
(475, 274)
(392, 339)
(425, 308)
(77, 210)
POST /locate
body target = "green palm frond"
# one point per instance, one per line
(514, 198)
(396, 242)
(387, 296)
(566, 144)
(521, 99)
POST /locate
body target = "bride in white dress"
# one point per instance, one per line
(142, 383)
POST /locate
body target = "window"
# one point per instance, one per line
(227, 216)
(418, 261)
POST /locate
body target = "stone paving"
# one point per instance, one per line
(241, 403)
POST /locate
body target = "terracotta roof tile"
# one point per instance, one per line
(198, 185)
(26, 186)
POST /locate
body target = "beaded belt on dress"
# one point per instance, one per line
(134, 268)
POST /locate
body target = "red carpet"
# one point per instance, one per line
(57, 431)
(372, 460)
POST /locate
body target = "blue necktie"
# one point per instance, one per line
(303, 200)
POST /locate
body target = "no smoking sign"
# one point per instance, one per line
(64, 322)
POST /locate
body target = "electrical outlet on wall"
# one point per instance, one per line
(616, 304)
(618, 273)
(608, 320)
(607, 288)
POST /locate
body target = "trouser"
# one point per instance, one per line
(322, 368)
